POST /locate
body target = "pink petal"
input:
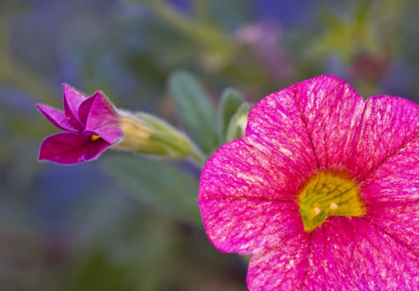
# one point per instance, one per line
(344, 132)
(277, 119)
(72, 101)
(343, 254)
(70, 148)
(248, 226)
(389, 145)
(353, 254)
(392, 196)
(282, 268)
(56, 117)
(319, 115)
(332, 110)
(388, 125)
(249, 168)
(103, 120)
(244, 200)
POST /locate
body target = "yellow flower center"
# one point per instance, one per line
(329, 194)
(95, 137)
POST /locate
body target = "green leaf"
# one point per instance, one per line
(330, 20)
(196, 111)
(361, 13)
(159, 184)
(231, 99)
(98, 273)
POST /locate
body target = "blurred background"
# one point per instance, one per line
(77, 228)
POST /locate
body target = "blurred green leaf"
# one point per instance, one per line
(231, 99)
(330, 20)
(152, 266)
(196, 111)
(159, 184)
(98, 273)
(361, 13)
(348, 36)
(228, 15)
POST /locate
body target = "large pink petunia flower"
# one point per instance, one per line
(323, 190)
(90, 124)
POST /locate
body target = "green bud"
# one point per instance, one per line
(231, 100)
(238, 122)
(150, 135)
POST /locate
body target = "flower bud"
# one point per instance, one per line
(147, 134)
(238, 122)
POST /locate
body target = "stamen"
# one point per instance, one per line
(329, 194)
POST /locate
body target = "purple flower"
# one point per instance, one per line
(91, 126)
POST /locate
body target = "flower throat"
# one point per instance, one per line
(329, 194)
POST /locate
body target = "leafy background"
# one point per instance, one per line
(124, 223)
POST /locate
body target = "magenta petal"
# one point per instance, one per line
(354, 254)
(389, 124)
(389, 145)
(103, 120)
(72, 102)
(392, 197)
(70, 148)
(282, 268)
(243, 169)
(56, 117)
(277, 120)
(317, 118)
(248, 226)
(245, 202)
(332, 110)
(84, 108)
(344, 253)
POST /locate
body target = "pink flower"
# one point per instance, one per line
(323, 190)
(90, 125)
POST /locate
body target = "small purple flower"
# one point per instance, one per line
(91, 125)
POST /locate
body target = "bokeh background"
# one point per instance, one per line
(76, 228)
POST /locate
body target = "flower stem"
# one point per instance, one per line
(195, 30)
(201, 10)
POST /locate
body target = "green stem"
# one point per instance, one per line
(201, 10)
(202, 34)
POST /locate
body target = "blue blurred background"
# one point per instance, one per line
(75, 228)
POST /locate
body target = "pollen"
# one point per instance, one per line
(329, 194)
(95, 137)
(333, 206)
